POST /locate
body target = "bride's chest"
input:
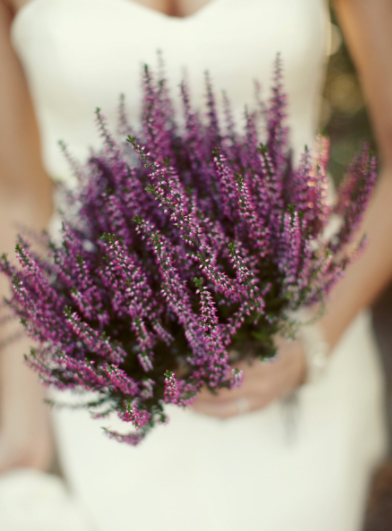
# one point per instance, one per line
(79, 31)
(74, 50)
(81, 54)
(180, 8)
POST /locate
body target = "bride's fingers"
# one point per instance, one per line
(223, 395)
(256, 384)
(219, 394)
(230, 408)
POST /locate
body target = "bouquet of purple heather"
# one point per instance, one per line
(190, 248)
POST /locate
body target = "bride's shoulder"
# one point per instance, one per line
(14, 5)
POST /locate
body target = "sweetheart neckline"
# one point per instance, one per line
(20, 14)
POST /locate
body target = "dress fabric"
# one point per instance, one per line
(198, 472)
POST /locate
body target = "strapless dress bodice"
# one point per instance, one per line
(81, 54)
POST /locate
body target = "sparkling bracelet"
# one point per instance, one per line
(315, 346)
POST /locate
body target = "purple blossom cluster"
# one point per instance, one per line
(191, 246)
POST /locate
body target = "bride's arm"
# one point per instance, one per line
(25, 197)
(367, 26)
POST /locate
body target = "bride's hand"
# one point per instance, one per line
(263, 383)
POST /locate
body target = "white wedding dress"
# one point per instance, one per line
(199, 473)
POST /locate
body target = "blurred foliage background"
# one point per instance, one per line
(343, 113)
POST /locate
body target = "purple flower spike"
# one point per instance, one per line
(236, 378)
(171, 393)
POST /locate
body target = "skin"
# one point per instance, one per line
(25, 195)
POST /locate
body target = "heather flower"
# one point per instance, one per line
(236, 378)
(181, 242)
(171, 393)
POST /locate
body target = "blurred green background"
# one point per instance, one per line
(343, 114)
